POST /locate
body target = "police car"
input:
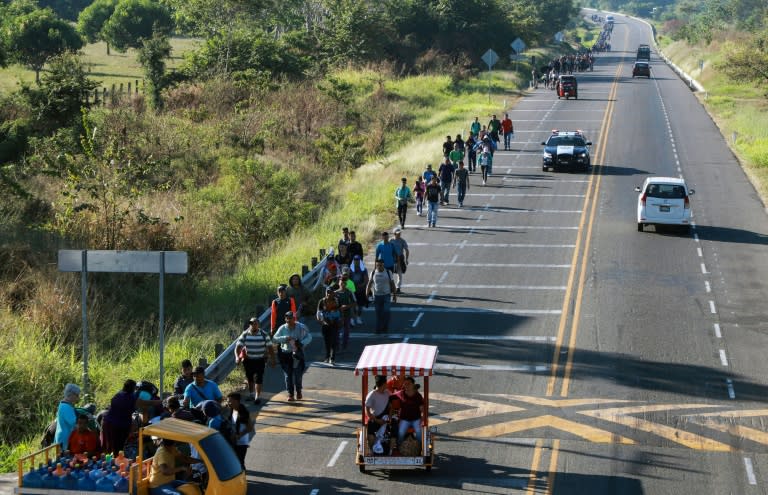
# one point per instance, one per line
(566, 150)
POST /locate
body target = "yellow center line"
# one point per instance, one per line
(553, 466)
(534, 473)
(588, 240)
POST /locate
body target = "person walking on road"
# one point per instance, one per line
(419, 188)
(403, 196)
(382, 288)
(293, 338)
(486, 161)
(387, 253)
(329, 316)
(462, 183)
(509, 131)
(494, 126)
(252, 349)
(445, 172)
(403, 254)
(433, 199)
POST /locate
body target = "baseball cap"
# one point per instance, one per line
(397, 230)
(199, 369)
(289, 314)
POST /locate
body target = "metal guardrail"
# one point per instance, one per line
(224, 363)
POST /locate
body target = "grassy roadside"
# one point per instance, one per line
(116, 68)
(739, 110)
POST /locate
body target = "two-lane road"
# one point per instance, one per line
(577, 355)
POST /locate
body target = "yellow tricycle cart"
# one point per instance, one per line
(396, 360)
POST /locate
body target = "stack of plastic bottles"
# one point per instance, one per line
(82, 473)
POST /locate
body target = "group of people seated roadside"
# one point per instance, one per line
(394, 406)
(115, 430)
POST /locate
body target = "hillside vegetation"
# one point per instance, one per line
(249, 179)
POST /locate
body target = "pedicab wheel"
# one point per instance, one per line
(361, 467)
(639, 227)
(428, 468)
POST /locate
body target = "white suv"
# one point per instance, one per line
(663, 201)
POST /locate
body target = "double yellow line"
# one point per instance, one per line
(580, 252)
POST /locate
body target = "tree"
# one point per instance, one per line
(58, 100)
(35, 37)
(92, 19)
(748, 61)
(134, 21)
(152, 55)
(66, 9)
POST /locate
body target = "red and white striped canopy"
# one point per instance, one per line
(397, 359)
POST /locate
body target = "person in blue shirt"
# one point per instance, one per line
(387, 252)
(66, 418)
(201, 389)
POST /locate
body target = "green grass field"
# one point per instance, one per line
(116, 68)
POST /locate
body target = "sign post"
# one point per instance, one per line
(490, 58)
(85, 261)
(518, 46)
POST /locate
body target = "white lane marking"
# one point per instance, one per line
(525, 195)
(417, 320)
(433, 309)
(491, 265)
(750, 472)
(698, 251)
(490, 367)
(338, 452)
(406, 339)
(516, 227)
(723, 358)
(707, 286)
(498, 287)
(314, 491)
(464, 244)
(712, 307)
(731, 391)
(703, 269)
(455, 257)
(717, 331)
(440, 281)
(430, 298)
(696, 237)
(467, 335)
(559, 181)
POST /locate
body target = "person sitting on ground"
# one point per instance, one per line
(83, 439)
(162, 474)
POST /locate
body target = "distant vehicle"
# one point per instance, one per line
(567, 87)
(641, 69)
(566, 149)
(643, 52)
(609, 18)
(663, 201)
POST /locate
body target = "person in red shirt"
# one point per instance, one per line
(411, 409)
(509, 131)
(83, 439)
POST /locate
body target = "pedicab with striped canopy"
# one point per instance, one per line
(396, 360)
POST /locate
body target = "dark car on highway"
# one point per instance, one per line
(566, 150)
(641, 69)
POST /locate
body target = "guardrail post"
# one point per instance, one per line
(314, 262)
(322, 253)
(304, 270)
(218, 349)
(202, 362)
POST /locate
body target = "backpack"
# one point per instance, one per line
(227, 430)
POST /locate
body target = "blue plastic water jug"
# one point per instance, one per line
(32, 479)
(86, 484)
(104, 485)
(121, 485)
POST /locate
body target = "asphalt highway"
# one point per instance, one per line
(577, 355)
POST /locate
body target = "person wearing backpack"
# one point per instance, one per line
(217, 421)
(382, 288)
(66, 418)
(252, 350)
(243, 425)
(433, 199)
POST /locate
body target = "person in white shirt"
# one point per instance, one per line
(293, 337)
